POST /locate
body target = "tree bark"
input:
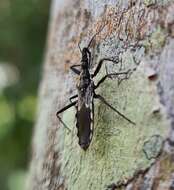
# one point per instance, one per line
(138, 35)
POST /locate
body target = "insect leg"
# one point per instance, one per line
(76, 71)
(110, 75)
(72, 97)
(106, 103)
(100, 64)
(64, 109)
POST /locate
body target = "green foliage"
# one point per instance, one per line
(7, 117)
(26, 108)
(16, 180)
(23, 27)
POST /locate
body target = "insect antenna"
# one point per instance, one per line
(101, 28)
(79, 47)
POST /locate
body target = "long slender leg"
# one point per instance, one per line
(76, 71)
(73, 97)
(100, 64)
(110, 75)
(106, 103)
(66, 107)
(62, 110)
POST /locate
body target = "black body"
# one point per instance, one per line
(84, 99)
(85, 106)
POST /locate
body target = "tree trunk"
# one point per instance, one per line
(138, 36)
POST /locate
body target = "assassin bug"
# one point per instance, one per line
(83, 102)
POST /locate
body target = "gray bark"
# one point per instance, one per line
(121, 156)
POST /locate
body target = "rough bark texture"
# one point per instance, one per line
(139, 35)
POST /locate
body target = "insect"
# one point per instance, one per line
(84, 99)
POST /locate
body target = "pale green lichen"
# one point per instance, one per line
(149, 2)
(156, 41)
(156, 2)
(158, 38)
(152, 146)
(116, 150)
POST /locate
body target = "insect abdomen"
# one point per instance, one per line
(84, 123)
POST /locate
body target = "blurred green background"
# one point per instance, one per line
(23, 29)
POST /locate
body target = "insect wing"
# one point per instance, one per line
(89, 97)
(84, 125)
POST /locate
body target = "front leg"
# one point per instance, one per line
(110, 75)
(100, 64)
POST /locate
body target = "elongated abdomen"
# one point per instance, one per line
(84, 126)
